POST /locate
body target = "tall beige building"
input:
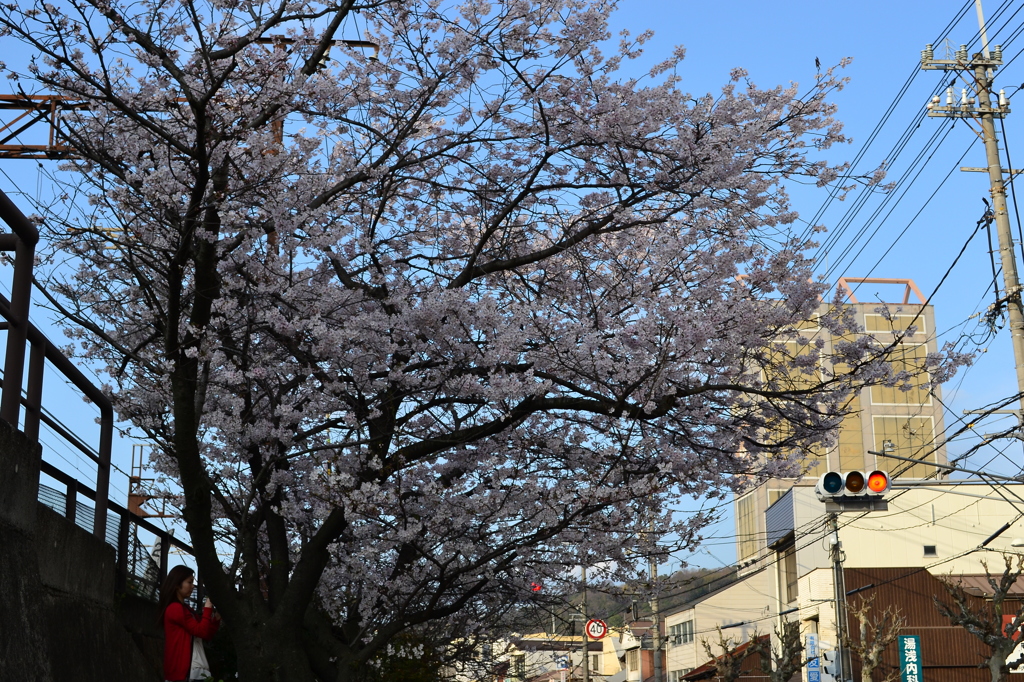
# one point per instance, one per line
(904, 423)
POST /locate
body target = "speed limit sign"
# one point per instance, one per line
(596, 629)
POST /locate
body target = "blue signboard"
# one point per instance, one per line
(813, 662)
(910, 659)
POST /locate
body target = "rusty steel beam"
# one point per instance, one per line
(35, 110)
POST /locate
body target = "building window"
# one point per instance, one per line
(633, 659)
(519, 666)
(910, 358)
(746, 525)
(929, 550)
(786, 557)
(905, 437)
(899, 323)
(681, 633)
(677, 675)
(595, 662)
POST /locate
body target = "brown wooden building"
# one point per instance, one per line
(948, 653)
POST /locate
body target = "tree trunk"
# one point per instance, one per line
(995, 668)
(269, 652)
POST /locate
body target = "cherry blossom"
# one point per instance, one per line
(419, 326)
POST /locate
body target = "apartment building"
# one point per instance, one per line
(784, 539)
(898, 555)
(902, 423)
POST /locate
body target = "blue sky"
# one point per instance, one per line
(918, 233)
(922, 231)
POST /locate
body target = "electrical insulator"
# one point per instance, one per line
(997, 53)
(927, 54)
(949, 97)
(963, 97)
(1002, 98)
(961, 54)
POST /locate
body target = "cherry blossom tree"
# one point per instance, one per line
(416, 325)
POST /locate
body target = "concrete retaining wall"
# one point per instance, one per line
(59, 618)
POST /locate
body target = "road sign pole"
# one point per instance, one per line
(586, 638)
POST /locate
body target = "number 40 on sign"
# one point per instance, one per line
(596, 629)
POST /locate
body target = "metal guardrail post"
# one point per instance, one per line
(34, 399)
(121, 579)
(71, 501)
(21, 297)
(103, 467)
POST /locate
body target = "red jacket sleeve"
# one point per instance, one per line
(178, 616)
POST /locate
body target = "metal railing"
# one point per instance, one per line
(121, 537)
(22, 334)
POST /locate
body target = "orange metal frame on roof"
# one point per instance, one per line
(844, 285)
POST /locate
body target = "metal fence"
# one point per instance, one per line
(140, 569)
(137, 569)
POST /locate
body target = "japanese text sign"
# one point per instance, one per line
(910, 659)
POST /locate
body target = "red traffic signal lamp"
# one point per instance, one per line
(878, 482)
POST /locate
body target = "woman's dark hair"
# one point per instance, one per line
(169, 590)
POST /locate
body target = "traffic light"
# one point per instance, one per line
(829, 665)
(853, 491)
(852, 484)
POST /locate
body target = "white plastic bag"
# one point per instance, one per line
(200, 666)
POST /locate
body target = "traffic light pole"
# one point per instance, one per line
(839, 584)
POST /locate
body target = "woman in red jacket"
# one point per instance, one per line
(181, 623)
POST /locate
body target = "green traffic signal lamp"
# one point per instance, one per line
(832, 483)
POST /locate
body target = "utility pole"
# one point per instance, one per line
(839, 585)
(655, 622)
(586, 637)
(977, 74)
